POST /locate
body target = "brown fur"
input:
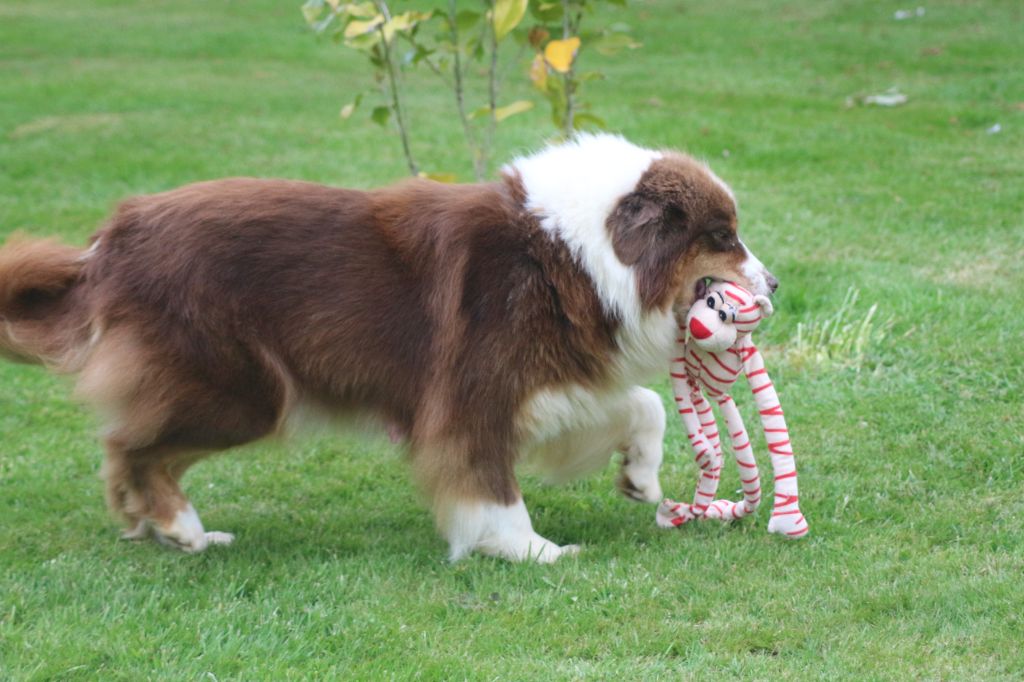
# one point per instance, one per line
(668, 222)
(37, 307)
(206, 313)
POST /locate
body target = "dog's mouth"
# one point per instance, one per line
(683, 305)
(700, 289)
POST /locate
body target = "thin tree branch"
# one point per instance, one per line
(480, 159)
(568, 124)
(492, 79)
(426, 60)
(396, 100)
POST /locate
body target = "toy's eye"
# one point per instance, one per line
(721, 315)
(711, 302)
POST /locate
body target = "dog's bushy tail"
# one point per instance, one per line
(39, 319)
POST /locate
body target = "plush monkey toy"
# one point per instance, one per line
(716, 347)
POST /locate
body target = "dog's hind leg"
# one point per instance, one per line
(142, 486)
(161, 415)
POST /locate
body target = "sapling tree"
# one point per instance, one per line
(479, 40)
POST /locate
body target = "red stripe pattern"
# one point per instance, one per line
(696, 371)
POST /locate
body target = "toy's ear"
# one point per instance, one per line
(765, 304)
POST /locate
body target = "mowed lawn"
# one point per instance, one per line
(911, 464)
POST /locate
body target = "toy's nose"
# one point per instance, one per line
(699, 331)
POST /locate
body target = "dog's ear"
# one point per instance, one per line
(634, 226)
(649, 233)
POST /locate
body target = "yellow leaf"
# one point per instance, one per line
(539, 73)
(358, 28)
(560, 53)
(363, 10)
(406, 20)
(501, 113)
(507, 15)
(439, 177)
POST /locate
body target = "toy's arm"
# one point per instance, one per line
(693, 410)
(728, 510)
(711, 472)
(695, 413)
(786, 516)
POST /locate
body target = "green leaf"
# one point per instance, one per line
(466, 20)
(547, 11)
(583, 121)
(555, 93)
(611, 44)
(477, 113)
(507, 15)
(517, 107)
(380, 115)
(421, 53)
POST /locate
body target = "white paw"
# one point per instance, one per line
(638, 484)
(550, 553)
(216, 537)
(186, 533)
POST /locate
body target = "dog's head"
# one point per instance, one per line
(678, 228)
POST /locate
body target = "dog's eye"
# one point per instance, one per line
(711, 302)
(723, 239)
(721, 315)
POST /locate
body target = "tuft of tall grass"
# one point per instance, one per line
(841, 339)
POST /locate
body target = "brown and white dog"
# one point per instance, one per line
(490, 324)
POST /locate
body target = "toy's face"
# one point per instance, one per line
(726, 312)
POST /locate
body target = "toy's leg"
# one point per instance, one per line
(786, 516)
(728, 510)
(685, 394)
(707, 483)
(695, 413)
(672, 514)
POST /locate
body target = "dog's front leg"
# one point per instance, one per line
(643, 447)
(478, 504)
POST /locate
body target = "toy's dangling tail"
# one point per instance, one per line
(786, 516)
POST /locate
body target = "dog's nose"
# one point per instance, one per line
(772, 282)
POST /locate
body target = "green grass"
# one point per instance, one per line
(911, 465)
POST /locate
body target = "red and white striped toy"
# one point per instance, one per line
(714, 349)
